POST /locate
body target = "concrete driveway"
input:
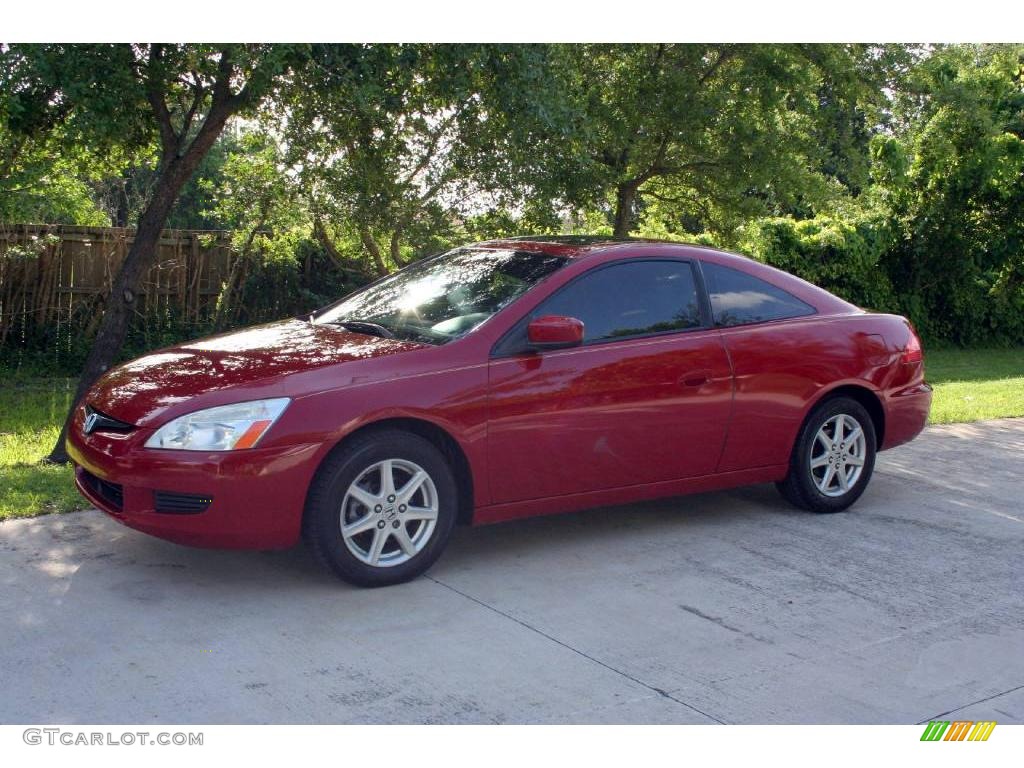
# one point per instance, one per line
(728, 607)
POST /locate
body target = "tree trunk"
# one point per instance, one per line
(123, 204)
(374, 250)
(228, 304)
(625, 198)
(345, 266)
(121, 302)
(396, 249)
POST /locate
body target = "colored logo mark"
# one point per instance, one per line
(958, 730)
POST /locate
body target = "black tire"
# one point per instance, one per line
(800, 487)
(323, 515)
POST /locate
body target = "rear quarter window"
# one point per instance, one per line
(741, 299)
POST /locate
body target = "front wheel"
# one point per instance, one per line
(381, 510)
(833, 458)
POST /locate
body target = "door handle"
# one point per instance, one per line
(695, 378)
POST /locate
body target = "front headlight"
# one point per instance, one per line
(224, 428)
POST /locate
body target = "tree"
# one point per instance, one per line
(181, 96)
(256, 198)
(123, 193)
(719, 132)
(399, 145)
(953, 178)
(45, 170)
(937, 231)
(42, 182)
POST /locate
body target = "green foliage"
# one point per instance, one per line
(294, 277)
(938, 234)
(284, 275)
(42, 188)
(890, 174)
(700, 127)
(398, 146)
(840, 254)
(43, 180)
(252, 190)
(959, 207)
(59, 133)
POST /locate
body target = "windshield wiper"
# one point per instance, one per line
(365, 326)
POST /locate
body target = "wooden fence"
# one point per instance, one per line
(52, 274)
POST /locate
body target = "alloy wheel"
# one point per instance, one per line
(837, 455)
(389, 513)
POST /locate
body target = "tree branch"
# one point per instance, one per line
(657, 167)
(342, 263)
(198, 93)
(434, 140)
(156, 95)
(396, 252)
(222, 106)
(724, 54)
(372, 248)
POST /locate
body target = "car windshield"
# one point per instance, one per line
(443, 298)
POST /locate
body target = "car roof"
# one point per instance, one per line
(578, 246)
(572, 246)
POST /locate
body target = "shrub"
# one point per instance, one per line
(842, 256)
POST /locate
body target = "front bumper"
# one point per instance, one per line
(256, 496)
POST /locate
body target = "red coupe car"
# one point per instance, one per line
(501, 380)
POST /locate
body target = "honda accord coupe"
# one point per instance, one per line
(501, 380)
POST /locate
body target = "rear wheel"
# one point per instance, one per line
(833, 458)
(381, 510)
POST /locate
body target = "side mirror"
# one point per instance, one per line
(554, 332)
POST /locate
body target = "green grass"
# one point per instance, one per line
(969, 385)
(975, 384)
(31, 412)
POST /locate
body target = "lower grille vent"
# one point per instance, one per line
(112, 493)
(180, 503)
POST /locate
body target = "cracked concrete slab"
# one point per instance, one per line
(728, 607)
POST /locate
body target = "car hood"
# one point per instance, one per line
(250, 363)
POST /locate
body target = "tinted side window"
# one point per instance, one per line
(629, 299)
(738, 298)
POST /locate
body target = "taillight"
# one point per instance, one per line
(912, 353)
